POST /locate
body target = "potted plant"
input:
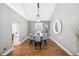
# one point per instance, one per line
(76, 32)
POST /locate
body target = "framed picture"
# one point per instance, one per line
(57, 26)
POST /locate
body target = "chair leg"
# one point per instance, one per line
(40, 45)
(30, 43)
(45, 42)
(35, 45)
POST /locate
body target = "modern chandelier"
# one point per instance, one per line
(38, 16)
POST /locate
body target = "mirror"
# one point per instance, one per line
(57, 26)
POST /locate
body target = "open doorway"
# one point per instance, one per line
(15, 34)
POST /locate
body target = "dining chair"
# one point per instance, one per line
(45, 38)
(38, 41)
(31, 39)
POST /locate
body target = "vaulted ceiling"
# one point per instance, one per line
(30, 10)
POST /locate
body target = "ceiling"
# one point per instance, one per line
(29, 10)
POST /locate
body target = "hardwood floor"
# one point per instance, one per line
(52, 49)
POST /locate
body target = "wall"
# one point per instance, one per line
(7, 17)
(68, 13)
(31, 26)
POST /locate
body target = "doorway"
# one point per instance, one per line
(15, 34)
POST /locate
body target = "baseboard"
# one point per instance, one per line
(23, 40)
(62, 47)
(4, 54)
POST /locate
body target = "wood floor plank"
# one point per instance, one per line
(52, 49)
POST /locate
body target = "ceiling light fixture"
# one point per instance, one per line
(38, 16)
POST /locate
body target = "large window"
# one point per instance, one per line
(39, 26)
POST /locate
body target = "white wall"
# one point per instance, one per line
(68, 13)
(7, 17)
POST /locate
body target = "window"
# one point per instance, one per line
(39, 26)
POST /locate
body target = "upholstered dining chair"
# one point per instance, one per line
(38, 40)
(45, 38)
(31, 39)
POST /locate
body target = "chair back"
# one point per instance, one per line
(31, 36)
(37, 38)
(45, 36)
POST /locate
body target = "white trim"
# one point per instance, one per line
(23, 40)
(4, 54)
(71, 54)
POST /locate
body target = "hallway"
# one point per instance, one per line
(52, 49)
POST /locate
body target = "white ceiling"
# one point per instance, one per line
(29, 10)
